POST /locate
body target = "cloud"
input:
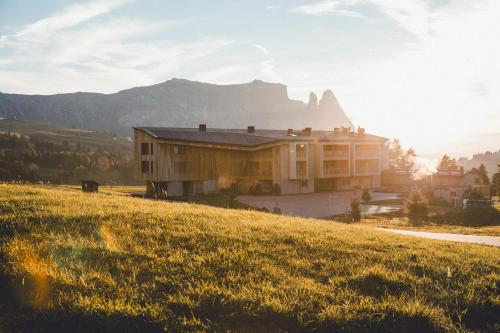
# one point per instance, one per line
(71, 51)
(328, 7)
(68, 17)
(261, 48)
(268, 69)
(411, 15)
(414, 16)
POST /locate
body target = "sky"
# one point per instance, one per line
(426, 72)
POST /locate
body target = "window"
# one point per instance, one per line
(301, 151)
(144, 166)
(301, 169)
(179, 150)
(144, 148)
(151, 166)
(151, 148)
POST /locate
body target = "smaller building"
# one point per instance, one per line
(449, 185)
(396, 179)
(90, 186)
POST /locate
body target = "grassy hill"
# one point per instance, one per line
(57, 135)
(103, 262)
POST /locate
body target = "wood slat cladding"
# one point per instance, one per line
(293, 164)
(182, 162)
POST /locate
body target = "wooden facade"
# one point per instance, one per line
(207, 167)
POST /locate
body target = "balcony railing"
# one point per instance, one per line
(301, 155)
(301, 173)
(367, 153)
(335, 171)
(334, 154)
(366, 169)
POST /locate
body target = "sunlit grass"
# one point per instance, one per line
(146, 265)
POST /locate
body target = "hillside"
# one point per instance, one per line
(73, 136)
(491, 160)
(111, 263)
(179, 103)
(41, 152)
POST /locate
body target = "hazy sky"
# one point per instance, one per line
(427, 72)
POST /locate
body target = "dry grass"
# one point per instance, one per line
(96, 262)
(106, 189)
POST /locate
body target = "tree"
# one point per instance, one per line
(103, 163)
(31, 170)
(482, 173)
(416, 202)
(448, 163)
(399, 158)
(355, 211)
(495, 180)
(366, 195)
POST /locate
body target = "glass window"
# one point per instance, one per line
(144, 148)
(144, 166)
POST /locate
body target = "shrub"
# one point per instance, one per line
(355, 211)
(439, 201)
(366, 195)
(480, 216)
(256, 189)
(416, 203)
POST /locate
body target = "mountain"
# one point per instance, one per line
(180, 103)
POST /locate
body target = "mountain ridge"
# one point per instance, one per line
(178, 103)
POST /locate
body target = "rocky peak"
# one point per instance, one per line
(313, 101)
(329, 101)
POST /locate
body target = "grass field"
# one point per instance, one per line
(125, 190)
(100, 262)
(399, 220)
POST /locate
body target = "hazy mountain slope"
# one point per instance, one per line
(179, 102)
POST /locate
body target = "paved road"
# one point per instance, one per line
(318, 205)
(484, 240)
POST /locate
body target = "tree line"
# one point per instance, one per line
(32, 158)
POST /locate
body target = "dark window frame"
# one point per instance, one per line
(145, 148)
(145, 166)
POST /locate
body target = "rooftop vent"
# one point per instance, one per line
(289, 131)
(336, 130)
(251, 129)
(202, 127)
(307, 130)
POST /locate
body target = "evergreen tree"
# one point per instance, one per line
(448, 163)
(495, 180)
(483, 174)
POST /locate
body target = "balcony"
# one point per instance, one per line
(370, 154)
(335, 171)
(301, 155)
(335, 154)
(366, 170)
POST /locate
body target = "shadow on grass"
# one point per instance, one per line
(377, 285)
(390, 321)
(18, 316)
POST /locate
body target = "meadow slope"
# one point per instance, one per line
(101, 262)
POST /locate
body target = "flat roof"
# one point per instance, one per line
(241, 137)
